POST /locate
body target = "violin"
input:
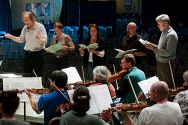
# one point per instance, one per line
(129, 107)
(77, 84)
(175, 91)
(39, 91)
(35, 91)
(116, 76)
(133, 106)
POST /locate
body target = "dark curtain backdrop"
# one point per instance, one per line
(70, 14)
(175, 9)
(5, 16)
(84, 12)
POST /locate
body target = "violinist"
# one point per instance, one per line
(50, 103)
(136, 75)
(78, 115)
(162, 113)
(182, 97)
(100, 76)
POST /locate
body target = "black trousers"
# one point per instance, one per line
(34, 61)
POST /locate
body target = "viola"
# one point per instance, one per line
(35, 91)
(175, 91)
(129, 107)
(64, 107)
(77, 84)
(133, 106)
(39, 91)
(116, 76)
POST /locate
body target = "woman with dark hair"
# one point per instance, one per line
(78, 115)
(9, 102)
(93, 57)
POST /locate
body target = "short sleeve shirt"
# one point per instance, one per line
(28, 36)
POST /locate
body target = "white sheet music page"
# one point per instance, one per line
(100, 98)
(145, 85)
(9, 75)
(143, 41)
(20, 84)
(73, 75)
(121, 52)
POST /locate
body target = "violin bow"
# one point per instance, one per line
(117, 86)
(83, 75)
(37, 77)
(171, 73)
(133, 90)
(59, 90)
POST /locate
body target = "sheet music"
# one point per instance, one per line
(54, 48)
(73, 75)
(100, 98)
(121, 52)
(145, 85)
(143, 41)
(9, 75)
(90, 46)
(29, 111)
(22, 83)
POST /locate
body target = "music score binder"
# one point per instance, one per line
(90, 46)
(121, 52)
(54, 48)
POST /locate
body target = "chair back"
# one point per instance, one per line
(55, 121)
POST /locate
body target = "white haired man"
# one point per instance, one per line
(165, 50)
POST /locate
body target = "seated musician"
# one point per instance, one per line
(78, 115)
(100, 76)
(162, 113)
(136, 75)
(9, 102)
(50, 102)
(182, 97)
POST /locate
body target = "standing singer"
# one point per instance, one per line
(165, 50)
(93, 57)
(131, 41)
(61, 60)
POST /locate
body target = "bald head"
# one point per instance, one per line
(131, 29)
(159, 91)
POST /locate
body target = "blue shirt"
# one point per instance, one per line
(50, 103)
